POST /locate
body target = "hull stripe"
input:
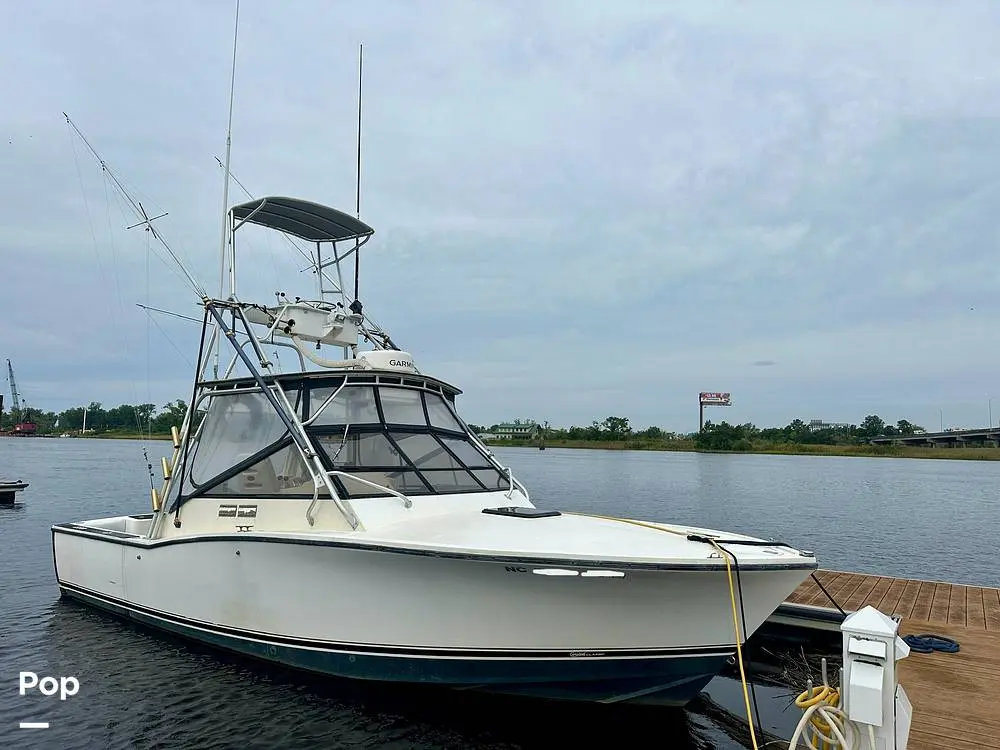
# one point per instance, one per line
(134, 540)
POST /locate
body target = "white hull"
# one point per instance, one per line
(322, 593)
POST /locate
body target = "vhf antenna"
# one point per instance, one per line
(357, 204)
(225, 196)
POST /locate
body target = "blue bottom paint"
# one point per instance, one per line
(665, 681)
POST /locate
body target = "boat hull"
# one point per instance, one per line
(9, 490)
(646, 636)
(668, 680)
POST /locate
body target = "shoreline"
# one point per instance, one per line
(789, 449)
(688, 446)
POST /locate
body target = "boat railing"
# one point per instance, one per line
(505, 470)
(515, 484)
(407, 503)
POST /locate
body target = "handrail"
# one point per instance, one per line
(326, 403)
(511, 479)
(514, 481)
(406, 501)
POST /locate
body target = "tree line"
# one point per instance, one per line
(126, 418)
(725, 436)
(722, 435)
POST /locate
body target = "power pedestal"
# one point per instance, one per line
(870, 693)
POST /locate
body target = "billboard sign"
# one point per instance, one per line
(714, 399)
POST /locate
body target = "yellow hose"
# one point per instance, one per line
(732, 600)
(827, 696)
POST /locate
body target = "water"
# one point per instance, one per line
(141, 689)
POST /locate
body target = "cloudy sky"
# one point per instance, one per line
(582, 209)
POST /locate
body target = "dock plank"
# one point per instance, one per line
(991, 608)
(907, 600)
(842, 587)
(975, 613)
(957, 608)
(876, 595)
(892, 595)
(922, 606)
(808, 588)
(855, 600)
(810, 593)
(941, 603)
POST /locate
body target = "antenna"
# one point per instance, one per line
(229, 148)
(357, 254)
(225, 192)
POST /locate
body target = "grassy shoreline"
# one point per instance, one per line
(784, 449)
(117, 436)
(688, 446)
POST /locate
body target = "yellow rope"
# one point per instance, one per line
(739, 639)
(644, 524)
(732, 600)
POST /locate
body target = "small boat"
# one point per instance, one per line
(9, 490)
(342, 518)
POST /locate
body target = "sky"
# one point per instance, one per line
(581, 209)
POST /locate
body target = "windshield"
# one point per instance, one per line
(407, 439)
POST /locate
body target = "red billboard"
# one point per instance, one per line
(714, 399)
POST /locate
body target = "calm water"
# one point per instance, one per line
(140, 689)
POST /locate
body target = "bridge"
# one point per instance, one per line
(948, 439)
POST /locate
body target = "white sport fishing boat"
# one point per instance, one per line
(343, 518)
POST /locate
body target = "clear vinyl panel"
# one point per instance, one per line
(236, 427)
(419, 447)
(282, 473)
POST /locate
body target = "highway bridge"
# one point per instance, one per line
(948, 439)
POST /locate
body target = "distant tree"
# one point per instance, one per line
(725, 437)
(872, 426)
(172, 415)
(797, 431)
(616, 428)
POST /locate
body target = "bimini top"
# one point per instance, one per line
(305, 219)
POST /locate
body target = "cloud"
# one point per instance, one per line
(579, 209)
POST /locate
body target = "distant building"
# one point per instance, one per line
(815, 425)
(521, 431)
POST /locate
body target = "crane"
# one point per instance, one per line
(22, 422)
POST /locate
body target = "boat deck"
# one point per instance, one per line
(953, 695)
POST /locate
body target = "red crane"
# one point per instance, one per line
(22, 421)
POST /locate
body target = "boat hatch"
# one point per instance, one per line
(407, 438)
(521, 512)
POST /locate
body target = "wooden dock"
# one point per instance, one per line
(953, 695)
